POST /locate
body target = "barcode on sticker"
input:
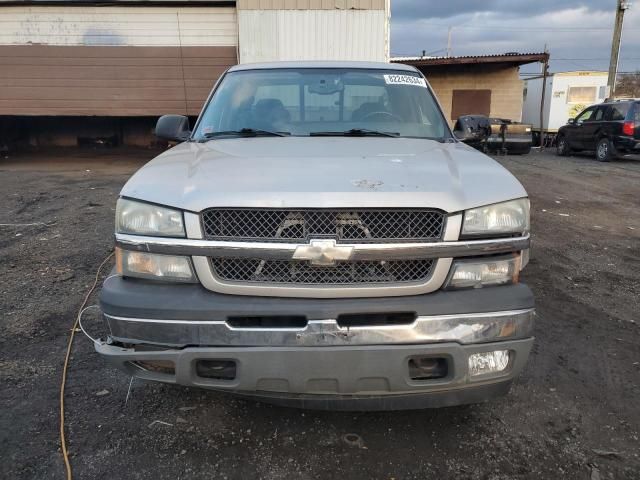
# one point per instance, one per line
(405, 80)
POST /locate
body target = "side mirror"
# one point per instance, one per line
(173, 127)
(464, 135)
(472, 129)
(571, 121)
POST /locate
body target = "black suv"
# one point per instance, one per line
(611, 129)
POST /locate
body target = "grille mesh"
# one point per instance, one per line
(303, 273)
(343, 225)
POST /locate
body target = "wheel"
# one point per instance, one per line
(605, 151)
(521, 151)
(535, 139)
(563, 147)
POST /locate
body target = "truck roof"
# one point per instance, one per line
(323, 64)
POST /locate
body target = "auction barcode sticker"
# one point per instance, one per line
(405, 80)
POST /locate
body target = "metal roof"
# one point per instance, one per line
(513, 58)
(322, 64)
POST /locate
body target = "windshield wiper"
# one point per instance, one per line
(244, 132)
(355, 132)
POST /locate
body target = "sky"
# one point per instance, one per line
(576, 33)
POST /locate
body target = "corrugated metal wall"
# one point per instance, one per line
(112, 61)
(310, 4)
(268, 35)
(108, 80)
(148, 60)
(76, 25)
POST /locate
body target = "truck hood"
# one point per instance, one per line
(323, 172)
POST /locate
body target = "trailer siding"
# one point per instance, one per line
(289, 34)
(112, 61)
(558, 108)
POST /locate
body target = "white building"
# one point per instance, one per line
(143, 58)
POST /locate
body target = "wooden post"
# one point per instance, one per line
(545, 73)
(615, 47)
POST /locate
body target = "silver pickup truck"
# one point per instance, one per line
(321, 239)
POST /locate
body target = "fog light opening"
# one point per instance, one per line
(427, 368)
(157, 366)
(216, 369)
(489, 362)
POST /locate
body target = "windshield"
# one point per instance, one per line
(331, 101)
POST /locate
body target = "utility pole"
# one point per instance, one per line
(449, 41)
(623, 5)
(545, 74)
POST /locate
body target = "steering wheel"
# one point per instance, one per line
(381, 113)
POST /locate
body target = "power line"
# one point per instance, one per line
(626, 59)
(529, 29)
(593, 59)
(537, 74)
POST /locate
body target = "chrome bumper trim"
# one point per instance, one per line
(286, 251)
(465, 329)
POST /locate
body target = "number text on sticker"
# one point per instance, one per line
(405, 80)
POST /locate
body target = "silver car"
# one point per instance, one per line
(321, 239)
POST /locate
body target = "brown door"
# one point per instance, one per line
(470, 102)
(78, 80)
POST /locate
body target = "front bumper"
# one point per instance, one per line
(370, 377)
(321, 364)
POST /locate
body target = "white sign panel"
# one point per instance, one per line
(396, 79)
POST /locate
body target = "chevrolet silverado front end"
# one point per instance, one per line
(322, 240)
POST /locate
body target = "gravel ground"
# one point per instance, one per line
(572, 414)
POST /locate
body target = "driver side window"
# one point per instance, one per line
(586, 115)
(363, 100)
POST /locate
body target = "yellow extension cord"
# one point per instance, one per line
(63, 441)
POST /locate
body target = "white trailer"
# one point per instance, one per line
(566, 95)
(141, 58)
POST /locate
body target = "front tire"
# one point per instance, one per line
(563, 146)
(605, 151)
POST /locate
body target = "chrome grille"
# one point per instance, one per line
(265, 225)
(303, 273)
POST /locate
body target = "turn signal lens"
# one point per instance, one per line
(484, 272)
(154, 267)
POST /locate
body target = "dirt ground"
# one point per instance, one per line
(574, 413)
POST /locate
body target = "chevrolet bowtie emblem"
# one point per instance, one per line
(323, 252)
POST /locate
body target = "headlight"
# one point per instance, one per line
(484, 272)
(497, 219)
(140, 218)
(154, 267)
